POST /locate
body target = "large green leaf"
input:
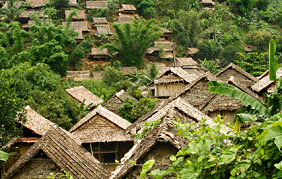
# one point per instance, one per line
(275, 132)
(273, 66)
(4, 156)
(189, 173)
(146, 167)
(229, 90)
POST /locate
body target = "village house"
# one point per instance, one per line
(128, 70)
(167, 34)
(78, 75)
(264, 85)
(102, 133)
(125, 18)
(99, 21)
(233, 70)
(83, 95)
(224, 105)
(54, 152)
(98, 54)
(118, 100)
(127, 9)
(161, 49)
(159, 143)
(79, 26)
(96, 4)
(102, 29)
(37, 4)
(34, 127)
(25, 16)
(187, 64)
(170, 81)
(80, 15)
(191, 52)
(208, 4)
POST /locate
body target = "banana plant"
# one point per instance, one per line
(273, 105)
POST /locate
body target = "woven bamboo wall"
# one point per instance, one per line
(166, 90)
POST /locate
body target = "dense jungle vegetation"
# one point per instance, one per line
(33, 62)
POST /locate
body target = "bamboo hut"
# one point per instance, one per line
(96, 4)
(170, 109)
(83, 95)
(37, 4)
(188, 64)
(161, 49)
(54, 152)
(80, 15)
(233, 70)
(34, 127)
(73, 2)
(208, 4)
(159, 143)
(127, 9)
(128, 70)
(224, 105)
(78, 75)
(100, 20)
(125, 18)
(264, 85)
(98, 54)
(192, 51)
(103, 29)
(80, 26)
(167, 34)
(102, 132)
(171, 81)
(117, 100)
(25, 16)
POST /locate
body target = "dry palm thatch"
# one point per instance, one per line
(63, 150)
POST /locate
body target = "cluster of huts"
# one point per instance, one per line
(94, 144)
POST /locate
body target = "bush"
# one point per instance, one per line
(205, 50)
(229, 54)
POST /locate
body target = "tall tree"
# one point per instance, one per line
(132, 40)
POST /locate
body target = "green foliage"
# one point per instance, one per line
(3, 156)
(205, 50)
(229, 54)
(149, 75)
(65, 175)
(148, 125)
(273, 66)
(12, 10)
(60, 4)
(210, 65)
(132, 40)
(10, 106)
(146, 167)
(244, 6)
(132, 112)
(254, 63)
(259, 39)
(100, 12)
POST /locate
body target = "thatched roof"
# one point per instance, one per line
(103, 29)
(192, 51)
(240, 70)
(207, 76)
(166, 31)
(188, 78)
(27, 13)
(80, 26)
(96, 4)
(80, 14)
(124, 19)
(73, 2)
(164, 132)
(37, 3)
(251, 49)
(100, 20)
(35, 122)
(100, 52)
(263, 75)
(166, 110)
(166, 46)
(127, 7)
(59, 147)
(128, 70)
(208, 2)
(122, 95)
(97, 75)
(100, 134)
(265, 82)
(81, 94)
(184, 62)
(78, 75)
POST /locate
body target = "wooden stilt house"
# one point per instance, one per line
(81, 94)
(171, 81)
(233, 70)
(117, 100)
(54, 152)
(102, 133)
